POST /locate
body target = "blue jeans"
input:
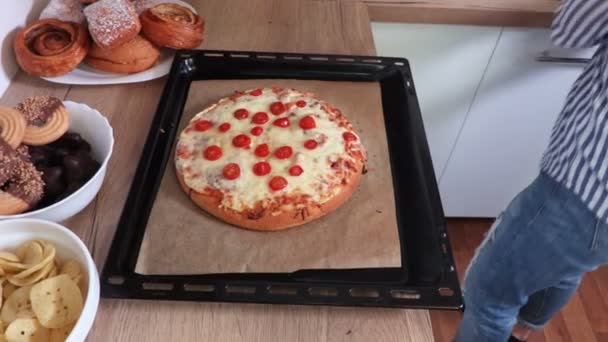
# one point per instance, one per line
(531, 262)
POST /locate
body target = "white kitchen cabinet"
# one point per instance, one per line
(508, 126)
(448, 63)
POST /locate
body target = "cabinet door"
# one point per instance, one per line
(498, 152)
(447, 62)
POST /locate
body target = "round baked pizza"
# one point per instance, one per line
(269, 159)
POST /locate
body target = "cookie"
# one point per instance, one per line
(47, 119)
(12, 126)
(21, 185)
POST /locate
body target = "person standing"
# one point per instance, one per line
(554, 231)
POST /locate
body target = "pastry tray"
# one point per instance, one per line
(427, 277)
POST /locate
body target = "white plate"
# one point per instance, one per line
(85, 75)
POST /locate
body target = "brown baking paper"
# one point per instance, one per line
(182, 239)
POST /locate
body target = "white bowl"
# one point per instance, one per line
(68, 246)
(96, 130)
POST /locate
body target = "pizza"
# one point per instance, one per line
(269, 159)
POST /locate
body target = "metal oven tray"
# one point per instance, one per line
(427, 278)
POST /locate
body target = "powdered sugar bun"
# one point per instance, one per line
(64, 10)
(112, 22)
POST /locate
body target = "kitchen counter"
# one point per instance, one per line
(265, 25)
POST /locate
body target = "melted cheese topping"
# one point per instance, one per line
(321, 175)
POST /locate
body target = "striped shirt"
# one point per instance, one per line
(577, 156)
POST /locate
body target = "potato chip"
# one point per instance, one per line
(44, 243)
(18, 305)
(48, 257)
(8, 289)
(1, 323)
(61, 334)
(30, 253)
(54, 271)
(33, 278)
(7, 256)
(40, 298)
(10, 263)
(72, 269)
(56, 301)
(26, 330)
(83, 286)
(11, 266)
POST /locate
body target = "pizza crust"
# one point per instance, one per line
(267, 222)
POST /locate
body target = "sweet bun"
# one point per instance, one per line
(142, 5)
(173, 26)
(134, 56)
(64, 10)
(112, 23)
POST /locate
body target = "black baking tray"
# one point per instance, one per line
(427, 278)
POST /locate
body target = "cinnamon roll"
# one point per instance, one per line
(142, 5)
(50, 47)
(173, 26)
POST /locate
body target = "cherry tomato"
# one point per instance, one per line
(231, 171)
(277, 183)
(212, 152)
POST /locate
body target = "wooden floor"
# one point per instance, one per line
(584, 318)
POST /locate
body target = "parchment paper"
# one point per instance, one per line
(183, 239)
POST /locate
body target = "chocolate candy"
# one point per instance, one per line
(71, 188)
(53, 180)
(74, 168)
(38, 155)
(60, 153)
(66, 165)
(72, 142)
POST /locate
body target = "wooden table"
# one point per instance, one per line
(302, 26)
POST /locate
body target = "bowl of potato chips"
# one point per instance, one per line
(49, 285)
